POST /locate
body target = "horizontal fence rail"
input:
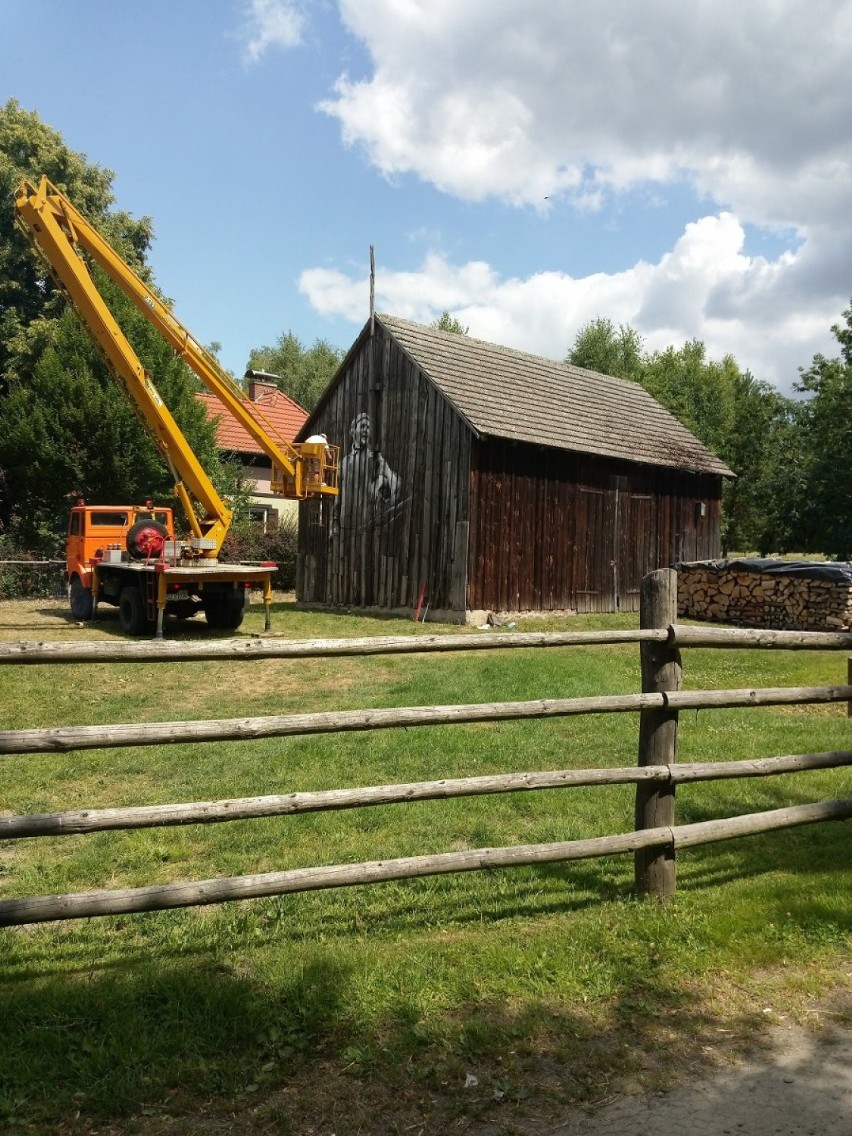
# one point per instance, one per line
(293, 804)
(165, 896)
(687, 635)
(171, 650)
(62, 739)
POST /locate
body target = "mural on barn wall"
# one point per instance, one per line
(392, 534)
(369, 489)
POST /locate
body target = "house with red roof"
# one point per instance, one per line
(281, 418)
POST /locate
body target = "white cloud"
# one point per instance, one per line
(518, 100)
(271, 23)
(706, 287)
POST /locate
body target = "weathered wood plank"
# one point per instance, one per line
(171, 650)
(686, 635)
(61, 739)
(655, 871)
(291, 804)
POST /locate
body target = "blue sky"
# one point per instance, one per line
(526, 164)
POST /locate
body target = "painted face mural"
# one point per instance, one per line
(369, 488)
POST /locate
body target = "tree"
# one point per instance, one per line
(303, 373)
(446, 322)
(600, 346)
(28, 149)
(825, 449)
(64, 425)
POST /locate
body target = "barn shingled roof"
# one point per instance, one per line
(526, 398)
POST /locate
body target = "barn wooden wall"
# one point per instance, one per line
(387, 540)
(550, 530)
(482, 524)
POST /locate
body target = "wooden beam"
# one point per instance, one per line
(291, 804)
(61, 739)
(661, 673)
(686, 635)
(170, 650)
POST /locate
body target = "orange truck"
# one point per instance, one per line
(129, 555)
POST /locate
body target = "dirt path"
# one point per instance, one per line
(802, 1087)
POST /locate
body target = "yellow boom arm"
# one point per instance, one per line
(56, 230)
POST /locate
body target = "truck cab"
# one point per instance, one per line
(99, 534)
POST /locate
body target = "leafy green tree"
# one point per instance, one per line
(29, 149)
(303, 372)
(825, 449)
(700, 393)
(65, 427)
(447, 322)
(601, 346)
(761, 424)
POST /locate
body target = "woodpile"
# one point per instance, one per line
(728, 592)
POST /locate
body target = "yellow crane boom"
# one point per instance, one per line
(57, 230)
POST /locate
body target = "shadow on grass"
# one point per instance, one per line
(177, 1026)
(192, 1037)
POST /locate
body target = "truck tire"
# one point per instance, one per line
(80, 599)
(131, 611)
(224, 610)
(146, 539)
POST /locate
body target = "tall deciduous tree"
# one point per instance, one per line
(825, 449)
(64, 425)
(303, 372)
(447, 322)
(601, 346)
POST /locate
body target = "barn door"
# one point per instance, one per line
(592, 551)
(638, 552)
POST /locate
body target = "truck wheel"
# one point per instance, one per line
(224, 610)
(146, 539)
(131, 612)
(80, 599)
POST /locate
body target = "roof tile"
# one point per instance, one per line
(277, 413)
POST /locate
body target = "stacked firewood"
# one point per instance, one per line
(726, 594)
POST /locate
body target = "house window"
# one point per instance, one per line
(264, 516)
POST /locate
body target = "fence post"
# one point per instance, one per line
(655, 873)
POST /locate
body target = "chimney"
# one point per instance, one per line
(260, 383)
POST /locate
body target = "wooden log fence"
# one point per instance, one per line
(161, 897)
(64, 739)
(654, 841)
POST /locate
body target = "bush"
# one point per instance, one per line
(246, 541)
(29, 578)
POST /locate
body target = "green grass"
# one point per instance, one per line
(365, 1009)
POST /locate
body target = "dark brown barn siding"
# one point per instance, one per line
(429, 508)
(552, 530)
(382, 551)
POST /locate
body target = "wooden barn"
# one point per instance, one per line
(474, 477)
